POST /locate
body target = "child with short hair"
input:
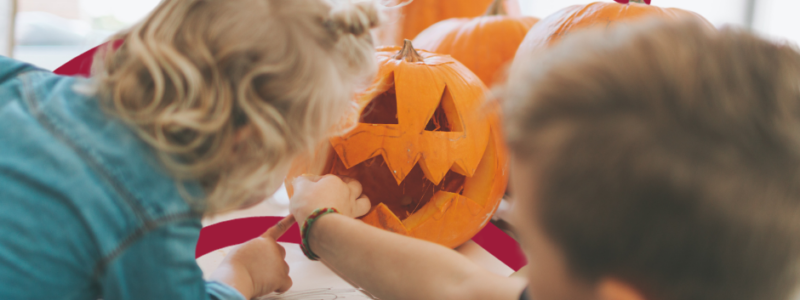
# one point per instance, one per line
(103, 181)
(652, 163)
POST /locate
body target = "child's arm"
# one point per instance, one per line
(257, 267)
(161, 265)
(10, 68)
(389, 265)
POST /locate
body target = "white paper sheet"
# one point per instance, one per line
(311, 279)
(314, 280)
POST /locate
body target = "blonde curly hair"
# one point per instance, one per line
(228, 92)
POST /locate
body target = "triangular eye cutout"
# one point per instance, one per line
(382, 109)
(446, 117)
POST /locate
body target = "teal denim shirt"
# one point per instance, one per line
(86, 211)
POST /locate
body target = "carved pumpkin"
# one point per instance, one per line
(484, 44)
(427, 148)
(406, 21)
(553, 28)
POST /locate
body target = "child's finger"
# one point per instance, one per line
(354, 186)
(279, 229)
(311, 177)
(361, 206)
(302, 181)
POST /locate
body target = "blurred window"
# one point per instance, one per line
(49, 33)
(7, 11)
(772, 18)
(777, 19)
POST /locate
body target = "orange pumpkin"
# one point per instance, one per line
(598, 14)
(428, 155)
(410, 18)
(484, 44)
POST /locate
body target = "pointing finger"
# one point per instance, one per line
(280, 228)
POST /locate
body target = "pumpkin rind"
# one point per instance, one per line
(484, 44)
(407, 21)
(475, 153)
(550, 30)
(420, 87)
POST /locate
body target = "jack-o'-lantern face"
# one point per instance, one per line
(427, 153)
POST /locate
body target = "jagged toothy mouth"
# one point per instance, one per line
(427, 189)
(415, 190)
(403, 199)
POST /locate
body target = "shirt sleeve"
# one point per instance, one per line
(220, 291)
(160, 265)
(9, 68)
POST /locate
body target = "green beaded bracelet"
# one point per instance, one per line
(306, 226)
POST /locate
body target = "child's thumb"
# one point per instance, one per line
(284, 285)
(362, 206)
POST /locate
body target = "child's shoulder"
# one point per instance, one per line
(78, 190)
(10, 67)
(75, 177)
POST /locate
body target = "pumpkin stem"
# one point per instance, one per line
(639, 1)
(496, 9)
(408, 53)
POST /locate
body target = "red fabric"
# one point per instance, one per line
(238, 231)
(502, 246)
(81, 65)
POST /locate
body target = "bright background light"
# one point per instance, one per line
(50, 32)
(717, 11)
(778, 18)
(127, 11)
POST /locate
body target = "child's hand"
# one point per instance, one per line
(257, 267)
(311, 193)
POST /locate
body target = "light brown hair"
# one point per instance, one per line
(228, 92)
(677, 162)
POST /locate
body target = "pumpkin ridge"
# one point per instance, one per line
(597, 14)
(484, 44)
(567, 24)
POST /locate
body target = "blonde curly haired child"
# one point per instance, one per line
(200, 111)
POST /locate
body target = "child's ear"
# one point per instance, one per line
(614, 289)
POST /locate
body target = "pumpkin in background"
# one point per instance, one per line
(411, 17)
(598, 14)
(484, 44)
(427, 148)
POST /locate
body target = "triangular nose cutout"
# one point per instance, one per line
(382, 109)
(446, 117)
